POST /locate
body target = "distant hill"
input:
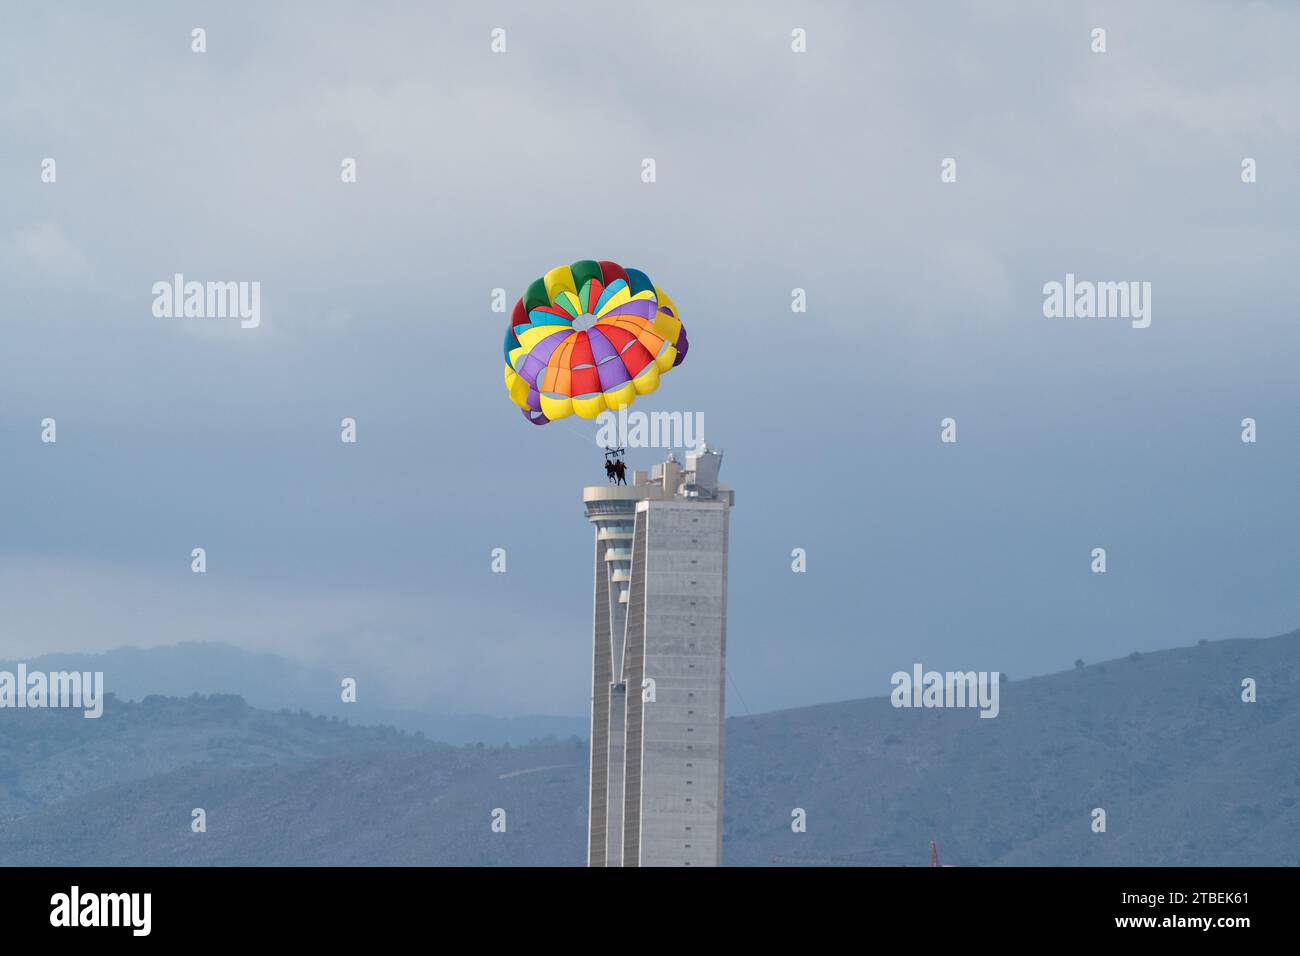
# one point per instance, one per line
(272, 682)
(1187, 773)
(48, 756)
(398, 807)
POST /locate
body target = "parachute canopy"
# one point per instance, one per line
(588, 338)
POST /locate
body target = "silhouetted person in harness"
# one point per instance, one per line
(609, 471)
(620, 472)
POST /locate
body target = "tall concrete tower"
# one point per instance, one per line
(659, 665)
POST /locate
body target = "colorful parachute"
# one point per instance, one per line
(589, 338)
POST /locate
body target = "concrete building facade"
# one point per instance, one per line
(659, 665)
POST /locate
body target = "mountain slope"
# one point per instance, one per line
(1187, 774)
(47, 756)
(274, 683)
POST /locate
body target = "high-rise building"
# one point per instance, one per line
(659, 665)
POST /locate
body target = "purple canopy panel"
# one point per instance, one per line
(645, 308)
(602, 349)
(612, 372)
(536, 360)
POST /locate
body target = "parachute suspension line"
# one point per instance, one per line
(575, 431)
(739, 697)
(611, 454)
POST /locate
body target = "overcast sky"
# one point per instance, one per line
(775, 170)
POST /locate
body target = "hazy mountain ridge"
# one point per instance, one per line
(47, 756)
(1187, 773)
(272, 682)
